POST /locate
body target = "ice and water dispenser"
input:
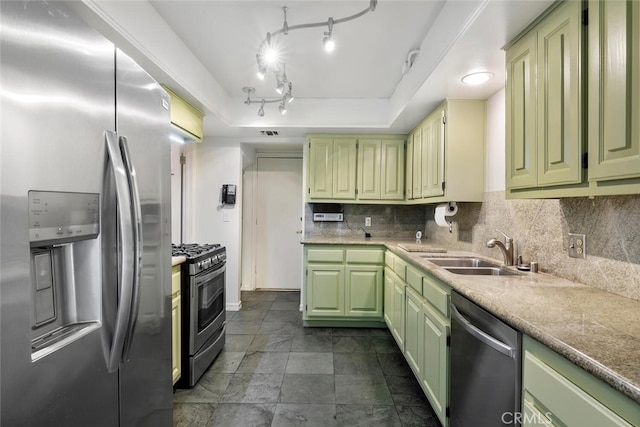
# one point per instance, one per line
(65, 268)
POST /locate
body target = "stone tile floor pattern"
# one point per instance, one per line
(275, 372)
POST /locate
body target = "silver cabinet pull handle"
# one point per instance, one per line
(126, 252)
(481, 335)
(136, 228)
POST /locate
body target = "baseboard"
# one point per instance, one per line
(236, 306)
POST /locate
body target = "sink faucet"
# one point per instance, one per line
(507, 247)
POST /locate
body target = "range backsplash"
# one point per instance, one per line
(386, 221)
(540, 229)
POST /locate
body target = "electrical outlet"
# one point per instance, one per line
(367, 221)
(577, 245)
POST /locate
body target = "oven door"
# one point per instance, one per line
(207, 304)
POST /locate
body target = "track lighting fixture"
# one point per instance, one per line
(269, 60)
(328, 42)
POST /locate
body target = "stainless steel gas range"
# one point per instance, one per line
(203, 308)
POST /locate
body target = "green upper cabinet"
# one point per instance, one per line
(552, 128)
(614, 94)
(357, 169)
(520, 91)
(408, 182)
(544, 103)
(392, 174)
(332, 168)
(416, 175)
(369, 169)
(449, 152)
(559, 136)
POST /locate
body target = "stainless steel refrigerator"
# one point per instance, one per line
(85, 310)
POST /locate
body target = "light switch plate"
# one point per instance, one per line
(577, 245)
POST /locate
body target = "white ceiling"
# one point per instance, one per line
(357, 88)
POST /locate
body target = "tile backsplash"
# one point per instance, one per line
(540, 230)
(386, 221)
(539, 227)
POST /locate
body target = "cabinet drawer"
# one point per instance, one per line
(325, 255)
(400, 268)
(414, 279)
(437, 294)
(388, 259)
(365, 256)
(562, 398)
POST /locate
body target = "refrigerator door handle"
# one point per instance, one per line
(126, 250)
(137, 245)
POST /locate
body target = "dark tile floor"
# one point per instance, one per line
(275, 372)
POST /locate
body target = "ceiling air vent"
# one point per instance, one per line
(269, 132)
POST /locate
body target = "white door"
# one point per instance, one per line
(279, 223)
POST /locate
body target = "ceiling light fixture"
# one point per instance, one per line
(269, 59)
(477, 78)
(328, 42)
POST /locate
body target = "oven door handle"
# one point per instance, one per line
(126, 250)
(481, 335)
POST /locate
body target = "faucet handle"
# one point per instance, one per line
(506, 238)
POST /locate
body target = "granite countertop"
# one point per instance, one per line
(177, 260)
(596, 330)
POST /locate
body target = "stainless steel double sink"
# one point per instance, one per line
(469, 266)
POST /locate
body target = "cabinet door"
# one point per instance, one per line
(435, 360)
(369, 158)
(175, 337)
(614, 95)
(388, 298)
(320, 168)
(392, 170)
(363, 291)
(398, 312)
(520, 95)
(413, 330)
(344, 169)
(325, 290)
(435, 156)
(409, 167)
(417, 164)
(559, 134)
(425, 160)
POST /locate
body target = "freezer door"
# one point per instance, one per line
(143, 120)
(57, 98)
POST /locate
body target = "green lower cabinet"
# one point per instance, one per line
(343, 284)
(363, 291)
(434, 377)
(394, 295)
(325, 290)
(413, 330)
(557, 390)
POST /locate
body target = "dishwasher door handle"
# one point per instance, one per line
(483, 336)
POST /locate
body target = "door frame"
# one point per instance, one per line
(250, 215)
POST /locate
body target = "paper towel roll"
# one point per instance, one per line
(444, 210)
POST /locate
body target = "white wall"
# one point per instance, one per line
(176, 183)
(495, 160)
(210, 165)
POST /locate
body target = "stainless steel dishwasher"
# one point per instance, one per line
(485, 369)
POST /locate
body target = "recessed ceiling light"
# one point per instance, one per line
(478, 78)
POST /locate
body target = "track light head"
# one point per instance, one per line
(283, 108)
(261, 109)
(328, 42)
